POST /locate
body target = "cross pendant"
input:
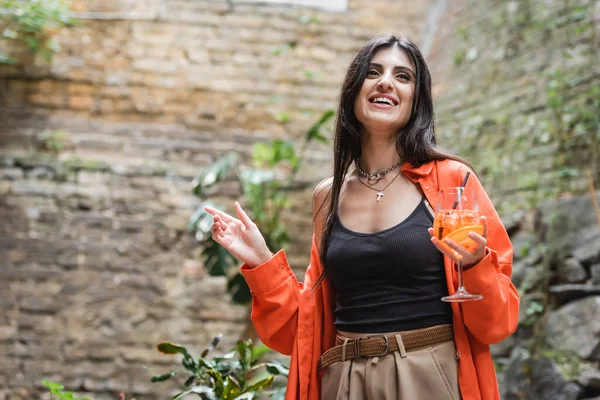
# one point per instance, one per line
(379, 194)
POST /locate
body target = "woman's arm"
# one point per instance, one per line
(276, 291)
(495, 317)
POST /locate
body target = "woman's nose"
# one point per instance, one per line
(384, 84)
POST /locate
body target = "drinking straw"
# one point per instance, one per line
(464, 182)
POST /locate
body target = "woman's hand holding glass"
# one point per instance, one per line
(469, 256)
(460, 232)
(240, 237)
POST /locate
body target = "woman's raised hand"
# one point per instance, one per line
(240, 236)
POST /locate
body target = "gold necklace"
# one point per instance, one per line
(379, 191)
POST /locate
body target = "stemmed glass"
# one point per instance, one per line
(457, 214)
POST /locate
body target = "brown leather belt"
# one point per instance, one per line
(379, 345)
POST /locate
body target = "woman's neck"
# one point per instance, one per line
(378, 153)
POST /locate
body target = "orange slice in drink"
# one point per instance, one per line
(461, 235)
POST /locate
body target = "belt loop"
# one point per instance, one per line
(346, 340)
(400, 345)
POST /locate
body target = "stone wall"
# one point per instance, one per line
(97, 152)
(517, 86)
(517, 93)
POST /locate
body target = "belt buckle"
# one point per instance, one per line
(357, 346)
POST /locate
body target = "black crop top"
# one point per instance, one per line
(390, 280)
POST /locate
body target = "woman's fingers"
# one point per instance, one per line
(243, 216)
(222, 224)
(224, 216)
(444, 248)
(484, 222)
(480, 240)
(458, 248)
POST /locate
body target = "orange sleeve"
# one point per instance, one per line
(495, 317)
(275, 302)
(276, 298)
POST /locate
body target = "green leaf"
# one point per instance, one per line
(256, 176)
(260, 385)
(163, 377)
(259, 351)
(232, 388)
(278, 394)
(214, 374)
(314, 133)
(53, 386)
(5, 59)
(244, 348)
(262, 153)
(171, 348)
(189, 364)
(283, 117)
(276, 368)
(203, 391)
(217, 260)
(238, 288)
(214, 173)
(281, 49)
(201, 221)
(212, 344)
(246, 396)
(189, 380)
(32, 43)
(9, 33)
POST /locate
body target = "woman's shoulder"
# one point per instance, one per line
(324, 185)
(453, 167)
(321, 193)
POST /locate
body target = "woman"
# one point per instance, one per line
(367, 322)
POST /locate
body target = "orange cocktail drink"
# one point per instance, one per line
(456, 225)
(457, 215)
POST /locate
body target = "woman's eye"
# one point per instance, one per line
(404, 76)
(372, 72)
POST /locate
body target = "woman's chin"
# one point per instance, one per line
(382, 124)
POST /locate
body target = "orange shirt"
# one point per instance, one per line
(293, 321)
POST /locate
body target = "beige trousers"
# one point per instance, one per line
(427, 373)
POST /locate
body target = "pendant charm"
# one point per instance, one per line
(379, 194)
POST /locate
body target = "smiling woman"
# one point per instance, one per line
(368, 321)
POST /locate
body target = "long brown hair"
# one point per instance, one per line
(415, 141)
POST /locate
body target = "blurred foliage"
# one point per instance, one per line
(53, 141)
(239, 374)
(57, 390)
(560, 134)
(33, 22)
(575, 123)
(266, 185)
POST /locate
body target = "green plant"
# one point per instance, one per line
(238, 374)
(57, 389)
(266, 185)
(53, 141)
(574, 124)
(33, 22)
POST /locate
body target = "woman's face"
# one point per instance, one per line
(384, 102)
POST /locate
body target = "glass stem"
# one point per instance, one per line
(460, 276)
